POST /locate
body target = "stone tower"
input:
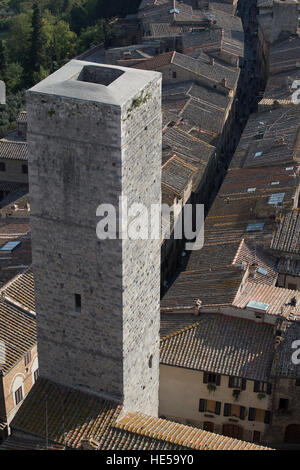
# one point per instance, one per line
(94, 135)
(285, 17)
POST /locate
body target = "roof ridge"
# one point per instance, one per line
(182, 330)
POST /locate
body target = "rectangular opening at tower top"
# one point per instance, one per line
(100, 75)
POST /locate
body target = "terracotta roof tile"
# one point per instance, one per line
(222, 345)
(75, 417)
(277, 298)
(17, 333)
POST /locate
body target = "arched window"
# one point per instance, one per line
(18, 389)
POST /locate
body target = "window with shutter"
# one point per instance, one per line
(218, 408)
(242, 412)
(27, 358)
(212, 378)
(210, 406)
(202, 405)
(18, 395)
(205, 378)
(259, 415)
(218, 380)
(235, 411)
(227, 409)
(251, 414)
(244, 384)
(269, 389)
(261, 387)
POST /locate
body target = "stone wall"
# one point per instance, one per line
(14, 170)
(285, 17)
(284, 388)
(83, 153)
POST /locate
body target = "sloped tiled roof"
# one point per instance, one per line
(180, 434)
(274, 133)
(200, 67)
(253, 255)
(17, 334)
(177, 174)
(277, 298)
(20, 291)
(284, 55)
(222, 345)
(214, 288)
(13, 150)
(289, 266)
(74, 416)
(287, 236)
(22, 117)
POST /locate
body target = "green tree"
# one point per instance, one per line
(3, 62)
(14, 77)
(90, 36)
(18, 42)
(60, 41)
(36, 60)
(78, 18)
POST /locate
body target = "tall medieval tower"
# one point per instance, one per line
(94, 135)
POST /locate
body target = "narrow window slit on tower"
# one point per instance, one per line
(78, 302)
(150, 361)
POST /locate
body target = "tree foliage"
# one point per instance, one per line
(41, 35)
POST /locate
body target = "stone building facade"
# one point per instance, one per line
(94, 134)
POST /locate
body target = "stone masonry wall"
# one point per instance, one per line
(81, 155)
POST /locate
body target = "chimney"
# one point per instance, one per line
(198, 306)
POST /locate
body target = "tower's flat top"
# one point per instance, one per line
(100, 83)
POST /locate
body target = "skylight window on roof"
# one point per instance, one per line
(10, 246)
(258, 305)
(174, 10)
(258, 154)
(251, 190)
(262, 271)
(257, 227)
(289, 168)
(276, 199)
(274, 183)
